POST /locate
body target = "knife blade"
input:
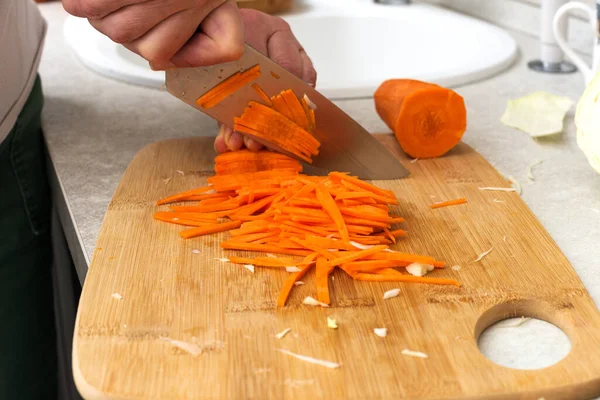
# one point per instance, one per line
(345, 145)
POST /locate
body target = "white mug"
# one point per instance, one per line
(594, 20)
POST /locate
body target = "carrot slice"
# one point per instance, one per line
(205, 230)
(183, 195)
(288, 285)
(454, 202)
(266, 248)
(333, 210)
(226, 88)
(322, 280)
(265, 261)
(428, 120)
(262, 94)
(355, 255)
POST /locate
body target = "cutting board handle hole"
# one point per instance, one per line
(510, 335)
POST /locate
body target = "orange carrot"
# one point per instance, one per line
(355, 255)
(288, 285)
(333, 210)
(274, 208)
(224, 89)
(183, 195)
(262, 94)
(428, 120)
(205, 230)
(461, 200)
(262, 248)
(322, 280)
(265, 261)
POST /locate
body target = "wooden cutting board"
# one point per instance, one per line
(169, 291)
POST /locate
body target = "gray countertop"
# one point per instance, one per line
(94, 126)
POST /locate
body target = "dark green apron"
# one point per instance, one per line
(28, 366)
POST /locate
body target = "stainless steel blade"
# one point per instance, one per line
(345, 145)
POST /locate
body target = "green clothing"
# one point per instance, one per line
(28, 360)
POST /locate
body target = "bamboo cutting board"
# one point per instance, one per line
(169, 291)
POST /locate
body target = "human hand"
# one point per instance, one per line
(273, 37)
(169, 33)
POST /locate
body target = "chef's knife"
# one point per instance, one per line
(345, 145)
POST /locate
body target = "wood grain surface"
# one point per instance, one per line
(169, 291)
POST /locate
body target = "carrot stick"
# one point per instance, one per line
(265, 261)
(461, 200)
(251, 238)
(230, 85)
(322, 280)
(355, 255)
(183, 195)
(262, 94)
(333, 210)
(389, 234)
(395, 233)
(363, 185)
(205, 230)
(324, 252)
(262, 248)
(288, 285)
(428, 120)
(180, 221)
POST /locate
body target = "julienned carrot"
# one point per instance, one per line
(264, 97)
(183, 195)
(236, 81)
(333, 210)
(428, 120)
(324, 252)
(351, 256)
(288, 285)
(208, 229)
(322, 280)
(266, 248)
(454, 202)
(338, 219)
(266, 261)
(395, 233)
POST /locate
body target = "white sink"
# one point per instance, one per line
(354, 45)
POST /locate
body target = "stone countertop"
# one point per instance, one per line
(94, 126)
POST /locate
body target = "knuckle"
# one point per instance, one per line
(154, 54)
(92, 9)
(234, 51)
(281, 24)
